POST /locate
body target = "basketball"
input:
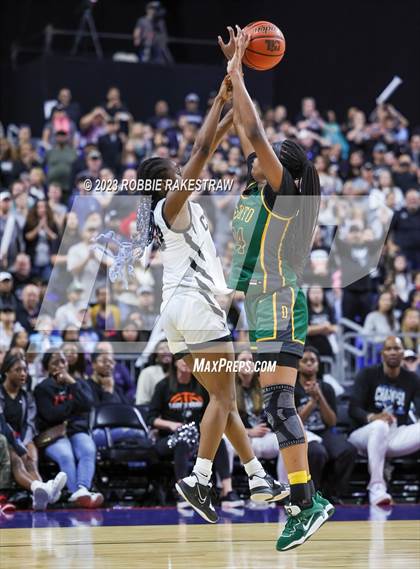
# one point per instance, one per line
(266, 47)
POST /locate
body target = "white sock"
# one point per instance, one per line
(254, 468)
(203, 469)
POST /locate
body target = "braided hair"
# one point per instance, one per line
(155, 169)
(298, 240)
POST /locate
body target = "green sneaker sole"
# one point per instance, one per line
(314, 528)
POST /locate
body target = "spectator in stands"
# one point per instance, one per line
(84, 261)
(401, 278)
(59, 210)
(42, 238)
(178, 400)
(5, 467)
(410, 324)
(44, 337)
(321, 322)
(7, 296)
(382, 320)
(93, 125)
(122, 377)
(61, 398)
(22, 273)
(191, 113)
(159, 366)
(411, 362)
(27, 312)
(406, 229)
(316, 405)
(61, 123)
(106, 317)
(20, 340)
(19, 411)
(380, 404)
(11, 238)
(76, 360)
(72, 108)
(8, 326)
(161, 119)
(146, 307)
(110, 145)
(69, 313)
(62, 278)
(59, 160)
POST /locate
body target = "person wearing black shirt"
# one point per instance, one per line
(316, 405)
(380, 406)
(177, 401)
(19, 410)
(62, 399)
(321, 321)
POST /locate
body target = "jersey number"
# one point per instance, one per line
(240, 243)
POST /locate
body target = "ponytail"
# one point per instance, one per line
(298, 241)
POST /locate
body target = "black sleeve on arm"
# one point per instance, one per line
(358, 401)
(329, 395)
(50, 413)
(83, 396)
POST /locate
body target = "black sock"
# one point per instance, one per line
(301, 495)
(312, 486)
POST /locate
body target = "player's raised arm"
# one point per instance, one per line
(248, 117)
(201, 152)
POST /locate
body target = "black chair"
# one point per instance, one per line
(126, 467)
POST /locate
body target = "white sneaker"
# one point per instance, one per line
(40, 495)
(55, 486)
(378, 496)
(85, 499)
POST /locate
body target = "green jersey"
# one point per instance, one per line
(260, 224)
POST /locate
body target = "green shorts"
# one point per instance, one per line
(277, 321)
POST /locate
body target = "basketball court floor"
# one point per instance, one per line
(357, 537)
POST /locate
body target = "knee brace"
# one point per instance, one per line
(279, 405)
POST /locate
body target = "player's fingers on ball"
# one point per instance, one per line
(231, 33)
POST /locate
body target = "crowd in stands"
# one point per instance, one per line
(66, 330)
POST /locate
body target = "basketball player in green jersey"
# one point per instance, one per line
(273, 227)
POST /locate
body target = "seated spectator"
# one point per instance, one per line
(59, 210)
(382, 320)
(72, 108)
(191, 113)
(5, 472)
(321, 321)
(411, 362)
(410, 324)
(121, 375)
(18, 409)
(316, 405)
(105, 391)
(22, 274)
(178, 400)
(106, 317)
(20, 340)
(59, 160)
(28, 312)
(8, 326)
(61, 398)
(62, 278)
(87, 264)
(110, 145)
(159, 366)
(87, 335)
(405, 229)
(382, 396)
(59, 122)
(11, 238)
(7, 296)
(44, 337)
(42, 238)
(76, 360)
(69, 312)
(93, 125)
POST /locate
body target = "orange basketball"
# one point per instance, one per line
(266, 47)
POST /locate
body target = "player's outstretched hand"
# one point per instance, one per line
(225, 91)
(241, 43)
(229, 47)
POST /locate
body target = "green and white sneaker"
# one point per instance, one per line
(301, 525)
(328, 507)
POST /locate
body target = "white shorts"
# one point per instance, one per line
(191, 317)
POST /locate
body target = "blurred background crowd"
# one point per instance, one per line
(66, 332)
